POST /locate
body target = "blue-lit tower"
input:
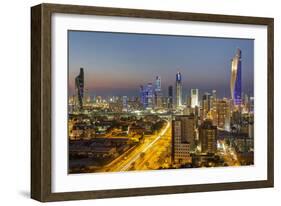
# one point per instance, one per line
(236, 79)
(143, 96)
(147, 96)
(150, 96)
(178, 90)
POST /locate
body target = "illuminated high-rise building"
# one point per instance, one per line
(214, 94)
(194, 93)
(170, 97)
(124, 104)
(206, 105)
(147, 96)
(143, 96)
(158, 100)
(158, 84)
(213, 100)
(182, 137)
(223, 114)
(208, 137)
(178, 90)
(150, 96)
(79, 86)
(158, 93)
(236, 79)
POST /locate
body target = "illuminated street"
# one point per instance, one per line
(135, 158)
(228, 154)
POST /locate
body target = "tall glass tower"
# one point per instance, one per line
(79, 84)
(236, 80)
(150, 96)
(178, 90)
(158, 92)
(158, 84)
(147, 96)
(143, 96)
(194, 93)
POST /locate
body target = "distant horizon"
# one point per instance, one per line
(116, 64)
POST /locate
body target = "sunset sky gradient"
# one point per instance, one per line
(118, 63)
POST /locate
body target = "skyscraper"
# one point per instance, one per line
(236, 81)
(150, 96)
(206, 105)
(208, 137)
(178, 90)
(194, 93)
(143, 96)
(147, 96)
(213, 100)
(158, 92)
(214, 94)
(158, 84)
(79, 85)
(170, 97)
(125, 104)
(182, 137)
(223, 114)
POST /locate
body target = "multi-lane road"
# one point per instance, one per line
(157, 156)
(154, 150)
(228, 154)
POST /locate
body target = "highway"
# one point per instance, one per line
(148, 148)
(157, 156)
(228, 154)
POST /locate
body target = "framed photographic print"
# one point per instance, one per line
(130, 102)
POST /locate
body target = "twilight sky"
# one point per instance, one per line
(118, 63)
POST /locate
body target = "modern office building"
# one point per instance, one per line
(223, 114)
(79, 86)
(194, 94)
(158, 100)
(170, 97)
(236, 79)
(208, 137)
(212, 103)
(158, 84)
(178, 90)
(214, 94)
(183, 135)
(124, 104)
(188, 123)
(142, 96)
(158, 93)
(150, 96)
(206, 105)
(147, 96)
(213, 100)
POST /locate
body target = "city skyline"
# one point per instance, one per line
(116, 76)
